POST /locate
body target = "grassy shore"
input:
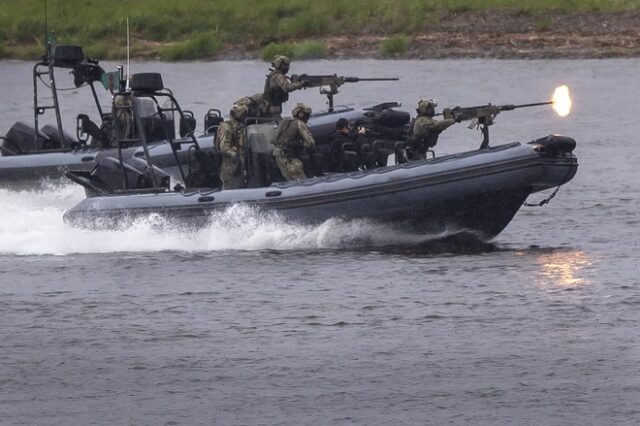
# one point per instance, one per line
(205, 29)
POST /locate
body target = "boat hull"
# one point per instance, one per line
(477, 192)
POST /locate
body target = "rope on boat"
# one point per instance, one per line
(550, 197)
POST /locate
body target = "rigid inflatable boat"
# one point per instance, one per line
(477, 191)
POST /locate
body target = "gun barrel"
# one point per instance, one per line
(357, 79)
(533, 104)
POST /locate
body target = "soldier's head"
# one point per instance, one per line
(427, 107)
(342, 125)
(281, 63)
(238, 112)
(302, 112)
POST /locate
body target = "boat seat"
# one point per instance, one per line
(349, 158)
(321, 160)
(367, 156)
(204, 169)
(87, 128)
(212, 121)
(381, 153)
(400, 152)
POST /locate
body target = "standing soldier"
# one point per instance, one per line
(426, 129)
(278, 86)
(293, 138)
(232, 143)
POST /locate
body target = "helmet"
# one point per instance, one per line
(238, 111)
(425, 104)
(280, 61)
(301, 108)
(121, 100)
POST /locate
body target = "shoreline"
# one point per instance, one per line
(496, 34)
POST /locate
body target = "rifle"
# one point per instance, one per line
(332, 82)
(483, 116)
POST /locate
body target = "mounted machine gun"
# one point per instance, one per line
(329, 83)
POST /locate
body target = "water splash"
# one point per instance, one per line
(31, 224)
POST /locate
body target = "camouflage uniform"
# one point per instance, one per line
(277, 87)
(256, 106)
(293, 137)
(121, 126)
(426, 129)
(231, 141)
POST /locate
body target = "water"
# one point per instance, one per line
(255, 321)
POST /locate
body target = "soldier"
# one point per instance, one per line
(426, 129)
(232, 144)
(278, 86)
(256, 106)
(293, 137)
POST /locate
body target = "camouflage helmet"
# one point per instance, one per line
(238, 111)
(425, 104)
(301, 108)
(280, 60)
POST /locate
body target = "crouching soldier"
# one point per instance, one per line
(256, 105)
(231, 141)
(293, 138)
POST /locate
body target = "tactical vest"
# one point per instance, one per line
(424, 141)
(273, 94)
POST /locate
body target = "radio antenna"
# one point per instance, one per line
(47, 44)
(128, 56)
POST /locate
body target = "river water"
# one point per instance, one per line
(255, 321)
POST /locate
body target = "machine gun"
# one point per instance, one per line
(329, 83)
(483, 116)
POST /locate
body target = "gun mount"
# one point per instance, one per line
(329, 84)
(482, 116)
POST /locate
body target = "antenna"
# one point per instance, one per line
(47, 45)
(128, 56)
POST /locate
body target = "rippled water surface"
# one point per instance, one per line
(255, 321)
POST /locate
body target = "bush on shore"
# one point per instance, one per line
(202, 46)
(302, 50)
(395, 45)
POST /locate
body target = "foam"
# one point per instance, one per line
(31, 224)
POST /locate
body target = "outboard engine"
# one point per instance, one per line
(386, 123)
(110, 175)
(22, 138)
(51, 133)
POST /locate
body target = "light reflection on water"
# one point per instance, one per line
(563, 269)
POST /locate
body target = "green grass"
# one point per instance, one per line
(99, 24)
(395, 45)
(302, 50)
(200, 46)
(543, 24)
